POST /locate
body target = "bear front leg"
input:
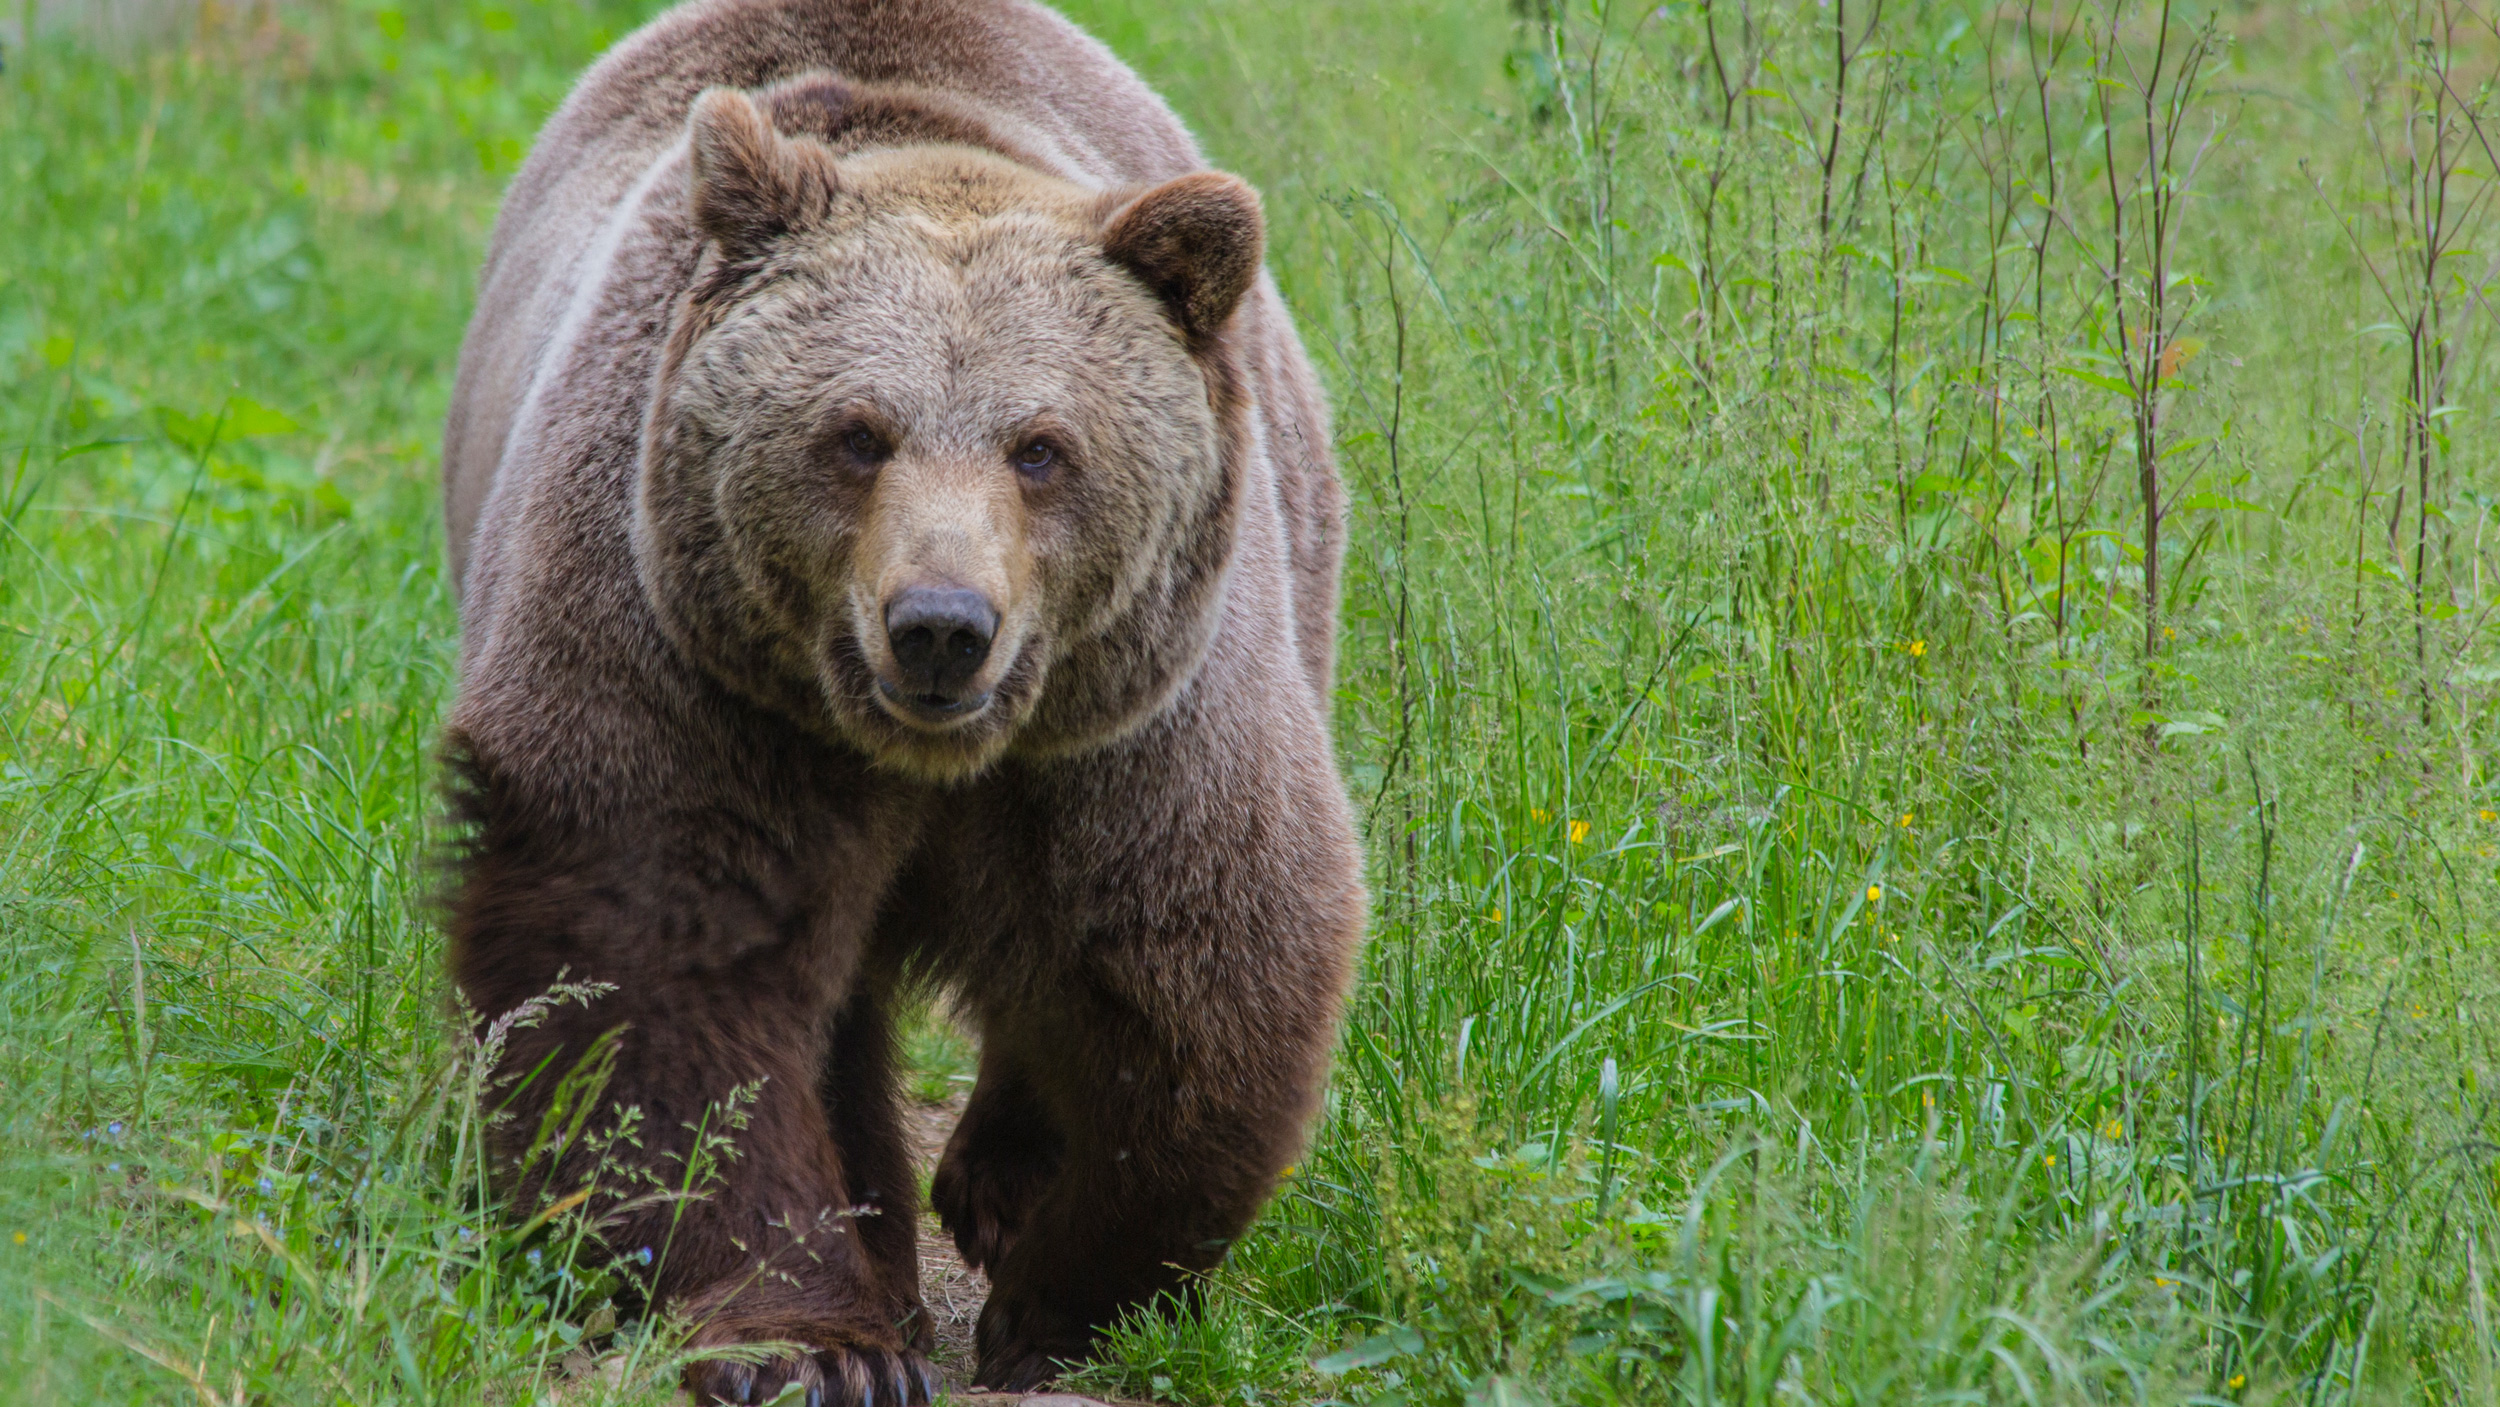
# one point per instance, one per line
(726, 1045)
(776, 1242)
(1169, 1147)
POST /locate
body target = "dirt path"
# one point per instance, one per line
(951, 1290)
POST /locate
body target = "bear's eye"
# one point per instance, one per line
(1035, 458)
(864, 442)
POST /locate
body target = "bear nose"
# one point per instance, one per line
(940, 636)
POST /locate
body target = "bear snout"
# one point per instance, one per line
(940, 637)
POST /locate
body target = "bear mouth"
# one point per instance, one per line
(930, 710)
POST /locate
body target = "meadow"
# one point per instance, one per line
(1919, 672)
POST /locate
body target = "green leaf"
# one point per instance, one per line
(2110, 384)
(2187, 724)
(94, 446)
(239, 419)
(247, 418)
(1371, 1352)
(1501, 1390)
(189, 433)
(2202, 501)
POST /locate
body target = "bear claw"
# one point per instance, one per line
(839, 1377)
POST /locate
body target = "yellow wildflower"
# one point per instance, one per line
(1918, 649)
(1579, 831)
(2488, 814)
(2050, 1159)
(1907, 817)
(1538, 815)
(2239, 1380)
(1874, 894)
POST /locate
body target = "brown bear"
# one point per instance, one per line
(897, 547)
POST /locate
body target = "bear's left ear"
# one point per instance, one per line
(750, 185)
(1195, 241)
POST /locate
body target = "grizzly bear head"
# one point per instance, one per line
(943, 456)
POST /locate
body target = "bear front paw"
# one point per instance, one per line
(831, 1377)
(841, 1362)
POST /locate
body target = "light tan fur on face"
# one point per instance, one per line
(957, 308)
(942, 521)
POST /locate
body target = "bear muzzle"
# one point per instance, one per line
(939, 637)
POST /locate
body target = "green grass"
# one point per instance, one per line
(1826, 947)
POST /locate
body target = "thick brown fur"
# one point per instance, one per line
(799, 308)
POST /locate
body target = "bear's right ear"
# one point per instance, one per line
(750, 186)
